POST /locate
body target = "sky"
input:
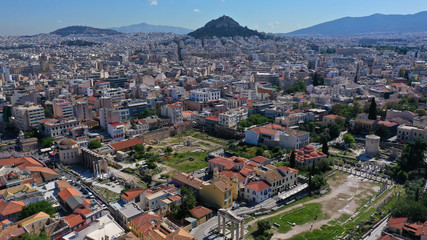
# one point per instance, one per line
(27, 17)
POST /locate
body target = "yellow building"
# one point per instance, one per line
(229, 178)
(217, 193)
(202, 214)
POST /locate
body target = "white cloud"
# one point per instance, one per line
(273, 24)
(153, 2)
(59, 21)
(256, 27)
(196, 10)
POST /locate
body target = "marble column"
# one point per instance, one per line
(219, 223)
(242, 229)
(238, 231)
(232, 230)
(223, 226)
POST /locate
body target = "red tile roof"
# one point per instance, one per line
(143, 222)
(74, 219)
(226, 162)
(387, 123)
(199, 212)
(126, 144)
(397, 223)
(260, 159)
(308, 152)
(257, 186)
(230, 174)
(264, 130)
(11, 207)
(67, 192)
(332, 116)
(131, 194)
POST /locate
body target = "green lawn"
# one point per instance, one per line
(332, 231)
(181, 161)
(299, 216)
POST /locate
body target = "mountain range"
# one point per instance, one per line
(374, 24)
(224, 27)
(84, 30)
(147, 28)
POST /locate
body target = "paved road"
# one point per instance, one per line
(376, 233)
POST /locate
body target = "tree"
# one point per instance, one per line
(94, 144)
(30, 236)
(316, 79)
(47, 142)
(298, 86)
(168, 150)
(382, 131)
(413, 155)
(139, 148)
(317, 182)
(188, 202)
(48, 113)
(348, 139)
(372, 114)
(264, 226)
(334, 130)
(325, 148)
(36, 207)
(292, 159)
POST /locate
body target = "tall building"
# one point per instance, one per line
(172, 111)
(107, 116)
(82, 111)
(28, 115)
(62, 108)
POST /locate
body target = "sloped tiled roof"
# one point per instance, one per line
(200, 211)
(131, 194)
(11, 207)
(257, 185)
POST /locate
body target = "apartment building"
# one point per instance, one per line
(172, 111)
(233, 117)
(204, 94)
(62, 108)
(28, 115)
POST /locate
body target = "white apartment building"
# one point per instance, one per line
(249, 94)
(62, 108)
(294, 139)
(233, 117)
(172, 111)
(28, 115)
(205, 94)
(57, 128)
(116, 95)
(116, 131)
(411, 133)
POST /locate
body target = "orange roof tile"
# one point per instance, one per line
(74, 219)
(67, 192)
(131, 194)
(126, 144)
(257, 186)
(199, 212)
(11, 207)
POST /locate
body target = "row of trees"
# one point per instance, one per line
(255, 119)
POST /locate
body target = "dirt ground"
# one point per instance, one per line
(347, 194)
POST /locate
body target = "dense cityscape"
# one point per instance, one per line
(222, 133)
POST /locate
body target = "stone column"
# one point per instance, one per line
(232, 230)
(223, 226)
(219, 223)
(242, 229)
(238, 231)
